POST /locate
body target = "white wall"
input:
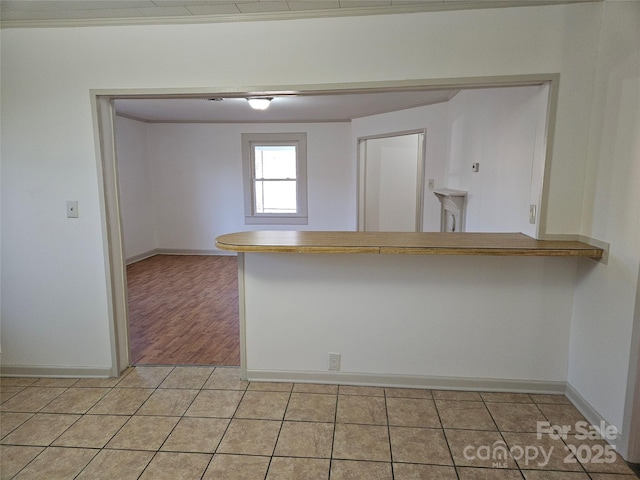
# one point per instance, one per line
(489, 318)
(137, 208)
(496, 128)
(55, 309)
(604, 336)
(198, 186)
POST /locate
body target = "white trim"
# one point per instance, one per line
(54, 371)
(285, 15)
(408, 381)
(591, 414)
(113, 240)
(242, 317)
(299, 139)
(177, 251)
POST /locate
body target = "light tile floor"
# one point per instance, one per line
(204, 423)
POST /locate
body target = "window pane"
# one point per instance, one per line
(275, 161)
(275, 196)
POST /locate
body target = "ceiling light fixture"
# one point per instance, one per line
(260, 103)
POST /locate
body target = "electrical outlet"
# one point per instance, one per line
(431, 184)
(532, 214)
(475, 167)
(334, 362)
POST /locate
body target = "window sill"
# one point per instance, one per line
(276, 220)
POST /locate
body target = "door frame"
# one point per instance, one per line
(361, 174)
(103, 125)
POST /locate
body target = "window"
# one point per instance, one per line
(275, 178)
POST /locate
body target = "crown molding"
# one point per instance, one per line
(449, 5)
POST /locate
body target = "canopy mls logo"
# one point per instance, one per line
(581, 442)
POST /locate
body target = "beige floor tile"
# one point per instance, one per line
(550, 398)
(407, 393)
(226, 378)
(9, 421)
(283, 468)
(15, 458)
(98, 382)
(611, 476)
(199, 435)
(215, 403)
(91, 431)
(546, 475)
(263, 405)
(361, 409)
(597, 456)
(75, 400)
(412, 471)
(412, 412)
(145, 377)
(17, 381)
(533, 453)
(357, 390)
(237, 467)
(516, 417)
(121, 401)
(250, 437)
(7, 392)
(305, 439)
(469, 473)
(465, 415)
(357, 470)
(315, 388)
(176, 466)
(506, 397)
(271, 386)
(361, 442)
(187, 377)
(311, 407)
(456, 395)
(31, 399)
(168, 402)
(560, 414)
(40, 430)
(55, 382)
(474, 448)
(143, 433)
(57, 463)
(120, 464)
(419, 445)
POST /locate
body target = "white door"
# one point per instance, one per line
(391, 183)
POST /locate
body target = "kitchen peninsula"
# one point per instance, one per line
(440, 310)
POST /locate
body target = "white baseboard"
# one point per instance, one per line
(174, 251)
(54, 371)
(593, 417)
(408, 381)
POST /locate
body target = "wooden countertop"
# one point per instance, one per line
(502, 244)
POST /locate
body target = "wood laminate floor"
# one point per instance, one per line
(183, 310)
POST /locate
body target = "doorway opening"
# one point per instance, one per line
(391, 182)
(104, 115)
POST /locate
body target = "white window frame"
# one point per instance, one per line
(251, 217)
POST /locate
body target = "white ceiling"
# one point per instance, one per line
(289, 108)
(21, 13)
